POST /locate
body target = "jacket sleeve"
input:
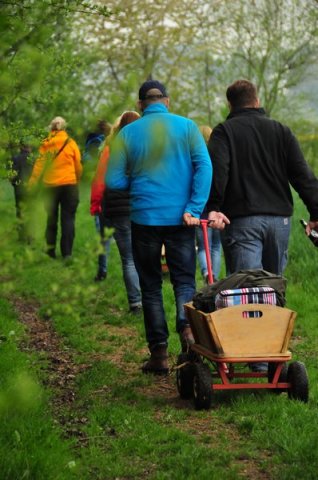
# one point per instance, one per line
(116, 177)
(301, 177)
(38, 166)
(219, 151)
(202, 173)
(98, 183)
(77, 162)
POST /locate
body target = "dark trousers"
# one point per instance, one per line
(66, 197)
(180, 255)
(20, 196)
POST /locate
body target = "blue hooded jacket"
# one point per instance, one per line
(164, 162)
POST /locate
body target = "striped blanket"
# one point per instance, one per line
(243, 296)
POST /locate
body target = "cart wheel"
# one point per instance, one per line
(184, 376)
(282, 377)
(202, 386)
(298, 379)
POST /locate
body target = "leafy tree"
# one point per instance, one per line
(40, 76)
(275, 43)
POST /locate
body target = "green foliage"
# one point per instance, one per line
(130, 424)
(40, 77)
(27, 432)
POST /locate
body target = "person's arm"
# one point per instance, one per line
(218, 148)
(38, 167)
(301, 177)
(98, 183)
(202, 177)
(116, 177)
(77, 162)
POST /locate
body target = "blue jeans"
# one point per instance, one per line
(122, 236)
(215, 251)
(105, 243)
(256, 242)
(179, 242)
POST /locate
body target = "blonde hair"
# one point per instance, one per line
(58, 123)
(124, 119)
(206, 132)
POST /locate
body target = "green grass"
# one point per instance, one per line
(30, 444)
(126, 425)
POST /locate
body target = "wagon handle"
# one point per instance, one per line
(204, 225)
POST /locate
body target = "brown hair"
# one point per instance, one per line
(241, 93)
(206, 132)
(124, 119)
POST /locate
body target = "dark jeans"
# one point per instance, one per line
(66, 197)
(179, 242)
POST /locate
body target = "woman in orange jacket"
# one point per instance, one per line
(59, 168)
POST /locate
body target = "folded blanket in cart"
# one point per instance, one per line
(243, 296)
(204, 299)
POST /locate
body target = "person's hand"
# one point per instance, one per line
(312, 225)
(189, 220)
(217, 220)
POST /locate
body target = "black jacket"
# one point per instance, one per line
(22, 167)
(254, 160)
(115, 203)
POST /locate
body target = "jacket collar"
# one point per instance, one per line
(155, 108)
(246, 111)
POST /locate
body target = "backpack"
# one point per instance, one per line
(204, 299)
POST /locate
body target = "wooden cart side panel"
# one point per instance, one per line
(218, 344)
(289, 331)
(200, 328)
(239, 336)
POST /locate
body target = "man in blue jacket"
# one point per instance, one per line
(163, 160)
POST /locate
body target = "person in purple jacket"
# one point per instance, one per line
(163, 161)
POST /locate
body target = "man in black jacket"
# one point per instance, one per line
(255, 159)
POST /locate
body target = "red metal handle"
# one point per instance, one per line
(204, 225)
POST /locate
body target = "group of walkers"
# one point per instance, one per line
(156, 177)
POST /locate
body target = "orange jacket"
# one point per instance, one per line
(98, 183)
(64, 169)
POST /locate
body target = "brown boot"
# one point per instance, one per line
(158, 362)
(186, 339)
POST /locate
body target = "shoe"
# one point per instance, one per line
(67, 260)
(186, 339)
(259, 367)
(100, 276)
(136, 310)
(51, 253)
(158, 362)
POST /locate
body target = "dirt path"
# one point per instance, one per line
(60, 370)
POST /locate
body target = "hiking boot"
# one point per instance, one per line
(51, 252)
(186, 339)
(136, 310)
(100, 275)
(258, 367)
(158, 362)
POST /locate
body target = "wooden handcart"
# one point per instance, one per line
(231, 338)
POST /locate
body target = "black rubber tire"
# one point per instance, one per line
(184, 377)
(282, 377)
(298, 378)
(202, 386)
